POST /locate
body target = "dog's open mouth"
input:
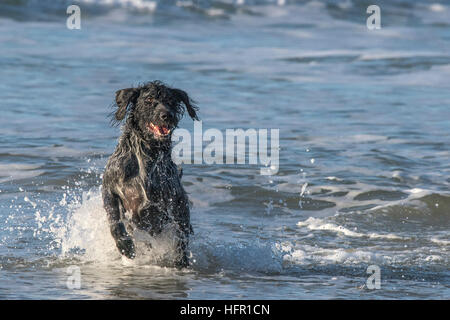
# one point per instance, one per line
(159, 131)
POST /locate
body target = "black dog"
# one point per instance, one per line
(140, 177)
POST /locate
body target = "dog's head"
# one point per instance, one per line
(153, 109)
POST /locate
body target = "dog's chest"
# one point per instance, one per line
(162, 181)
(153, 183)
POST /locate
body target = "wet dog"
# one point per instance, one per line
(141, 184)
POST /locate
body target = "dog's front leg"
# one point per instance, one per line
(123, 240)
(182, 246)
(183, 231)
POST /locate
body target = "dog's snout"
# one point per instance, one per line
(163, 113)
(164, 116)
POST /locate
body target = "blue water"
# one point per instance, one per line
(364, 120)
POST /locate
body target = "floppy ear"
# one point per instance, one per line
(124, 98)
(188, 102)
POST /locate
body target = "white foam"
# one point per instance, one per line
(134, 4)
(418, 192)
(349, 256)
(214, 12)
(319, 224)
(306, 255)
(333, 178)
(86, 228)
(437, 7)
(85, 233)
(433, 258)
(303, 254)
(440, 241)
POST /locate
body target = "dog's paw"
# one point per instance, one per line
(126, 247)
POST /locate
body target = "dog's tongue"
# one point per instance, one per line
(159, 130)
(163, 130)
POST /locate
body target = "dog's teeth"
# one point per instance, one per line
(159, 130)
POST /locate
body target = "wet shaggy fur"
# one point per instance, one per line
(141, 184)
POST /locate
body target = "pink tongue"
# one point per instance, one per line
(163, 130)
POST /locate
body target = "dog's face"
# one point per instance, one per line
(154, 109)
(156, 116)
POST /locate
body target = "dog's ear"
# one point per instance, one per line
(188, 102)
(124, 98)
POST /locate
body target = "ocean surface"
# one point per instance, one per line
(364, 131)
